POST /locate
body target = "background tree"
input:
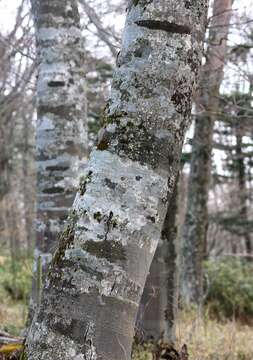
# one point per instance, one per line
(196, 219)
(235, 218)
(159, 303)
(233, 139)
(61, 134)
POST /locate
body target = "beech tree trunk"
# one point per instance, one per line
(93, 289)
(61, 136)
(196, 220)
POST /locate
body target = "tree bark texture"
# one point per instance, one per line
(93, 289)
(196, 220)
(61, 136)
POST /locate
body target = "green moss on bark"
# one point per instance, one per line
(66, 239)
(83, 183)
(112, 251)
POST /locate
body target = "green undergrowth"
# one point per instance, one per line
(142, 351)
(15, 287)
(229, 289)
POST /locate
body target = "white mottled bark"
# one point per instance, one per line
(92, 292)
(196, 220)
(61, 135)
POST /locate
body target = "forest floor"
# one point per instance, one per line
(206, 338)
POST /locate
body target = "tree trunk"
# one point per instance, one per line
(61, 137)
(4, 187)
(170, 254)
(28, 183)
(242, 187)
(158, 306)
(92, 292)
(196, 220)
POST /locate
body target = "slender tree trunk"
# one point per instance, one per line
(150, 317)
(158, 306)
(242, 187)
(196, 219)
(4, 164)
(170, 254)
(28, 195)
(61, 137)
(92, 292)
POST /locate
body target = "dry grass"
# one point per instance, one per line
(211, 340)
(208, 339)
(12, 316)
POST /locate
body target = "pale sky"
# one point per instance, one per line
(8, 10)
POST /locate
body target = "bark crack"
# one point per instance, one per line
(113, 285)
(56, 83)
(164, 26)
(108, 224)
